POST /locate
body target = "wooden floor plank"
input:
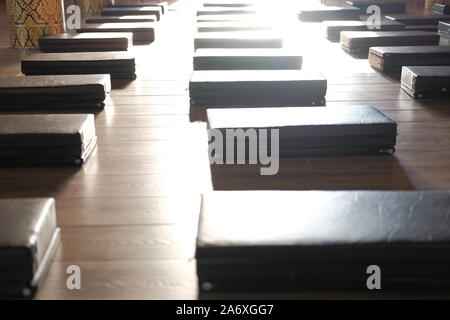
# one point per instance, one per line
(127, 243)
(117, 211)
(135, 280)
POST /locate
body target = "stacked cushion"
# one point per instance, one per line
(246, 59)
(142, 31)
(277, 241)
(54, 93)
(423, 82)
(359, 42)
(256, 39)
(120, 65)
(120, 19)
(333, 28)
(329, 13)
(86, 42)
(133, 11)
(350, 130)
(28, 241)
(254, 88)
(46, 140)
(392, 59)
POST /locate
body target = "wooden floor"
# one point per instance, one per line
(129, 216)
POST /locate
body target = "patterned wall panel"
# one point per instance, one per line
(31, 19)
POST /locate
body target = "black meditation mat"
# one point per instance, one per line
(427, 19)
(46, 140)
(206, 11)
(119, 19)
(254, 88)
(237, 39)
(359, 42)
(439, 8)
(86, 42)
(232, 26)
(392, 59)
(303, 241)
(119, 64)
(246, 59)
(29, 237)
(424, 27)
(142, 31)
(327, 131)
(385, 6)
(133, 11)
(163, 5)
(425, 82)
(324, 13)
(227, 3)
(231, 18)
(444, 29)
(333, 28)
(54, 93)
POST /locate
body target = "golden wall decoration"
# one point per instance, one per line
(30, 20)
